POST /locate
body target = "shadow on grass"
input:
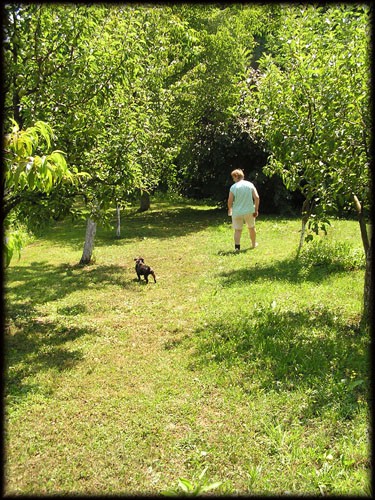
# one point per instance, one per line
(161, 224)
(282, 351)
(41, 282)
(289, 270)
(37, 346)
(171, 223)
(233, 252)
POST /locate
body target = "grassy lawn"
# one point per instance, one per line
(251, 369)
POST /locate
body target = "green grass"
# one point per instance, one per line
(249, 368)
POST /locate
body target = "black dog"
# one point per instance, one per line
(142, 270)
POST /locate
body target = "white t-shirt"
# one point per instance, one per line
(243, 202)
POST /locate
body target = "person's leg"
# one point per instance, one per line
(253, 236)
(237, 238)
(250, 221)
(237, 223)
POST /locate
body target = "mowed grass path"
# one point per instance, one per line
(249, 366)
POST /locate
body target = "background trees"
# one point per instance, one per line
(222, 43)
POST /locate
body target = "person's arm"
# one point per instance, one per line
(256, 199)
(230, 202)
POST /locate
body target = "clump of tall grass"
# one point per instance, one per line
(337, 255)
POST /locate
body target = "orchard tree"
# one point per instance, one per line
(95, 73)
(310, 102)
(50, 76)
(132, 149)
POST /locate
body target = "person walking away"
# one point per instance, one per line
(243, 206)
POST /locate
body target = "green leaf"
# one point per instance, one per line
(17, 173)
(45, 131)
(203, 473)
(185, 484)
(212, 486)
(355, 383)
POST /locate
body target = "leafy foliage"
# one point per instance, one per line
(22, 169)
(149, 97)
(29, 175)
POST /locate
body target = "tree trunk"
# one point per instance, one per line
(367, 292)
(118, 227)
(306, 212)
(303, 229)
(89, 242)
(362, 226)
(144, 202)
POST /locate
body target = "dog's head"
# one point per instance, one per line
(139, 260)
